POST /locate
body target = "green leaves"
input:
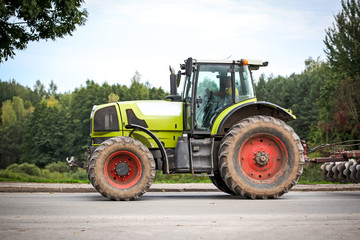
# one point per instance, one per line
(342, 39)
(339, 116)
(58, 126)
(32, 20)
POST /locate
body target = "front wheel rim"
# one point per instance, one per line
(122, 169)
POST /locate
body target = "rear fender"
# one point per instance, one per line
(230, 116)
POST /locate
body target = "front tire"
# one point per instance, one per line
(122, 168)
(261, 157)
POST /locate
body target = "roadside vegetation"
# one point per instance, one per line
(60, 172)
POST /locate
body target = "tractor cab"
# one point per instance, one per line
(209, 87)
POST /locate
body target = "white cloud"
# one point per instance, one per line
(121, 37)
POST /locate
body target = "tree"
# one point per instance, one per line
(52, 89)
(339, 115)
(113, 98)
(39, 89)
(138, 90)
(12, 130)
(46, 134)
(342, 40)
(32, 20)
(8, 115)
(260, 88)
(11, 88)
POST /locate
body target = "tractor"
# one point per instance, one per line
(215, 128)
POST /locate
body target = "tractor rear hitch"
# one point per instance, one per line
(73, 162)
(338, 156)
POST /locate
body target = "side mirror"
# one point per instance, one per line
(188, 67)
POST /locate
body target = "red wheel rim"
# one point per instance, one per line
(122, 169)
(263, 158)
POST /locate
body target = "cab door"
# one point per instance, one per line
(212, 94)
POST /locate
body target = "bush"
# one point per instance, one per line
(80, 174)
(60, 167)
(7, 175)
(27, 168)
(312, 174)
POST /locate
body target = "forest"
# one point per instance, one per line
(41, 126)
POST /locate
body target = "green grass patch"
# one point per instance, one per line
(312, 175)
(26, 172)
(179, 178)
(60, 173)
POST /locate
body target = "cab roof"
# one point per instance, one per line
(252, 62)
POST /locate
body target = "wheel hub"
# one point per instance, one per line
(122, 169)
(262, 158)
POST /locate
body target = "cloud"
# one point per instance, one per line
(121, 37)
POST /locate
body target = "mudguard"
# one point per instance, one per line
(237, 112)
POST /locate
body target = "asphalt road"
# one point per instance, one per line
(296, 215)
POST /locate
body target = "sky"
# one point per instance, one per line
(121, 37)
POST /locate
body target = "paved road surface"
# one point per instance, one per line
(185, 216)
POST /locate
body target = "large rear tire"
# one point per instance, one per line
(122, 168)
(220, 184)
(261, 157)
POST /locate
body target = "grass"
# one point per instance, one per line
(26, 172)
(179, 178)
(61, 173)
(311, 175)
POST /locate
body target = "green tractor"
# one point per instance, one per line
(215, 128)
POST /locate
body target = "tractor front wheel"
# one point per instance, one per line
(261, 157)
(122, 168)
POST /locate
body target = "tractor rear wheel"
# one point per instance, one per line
(220, 184)
(261, 157)
(122, 168)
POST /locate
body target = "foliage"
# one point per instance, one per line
(113, 97)
(342, 40)
(45, 136)
(45, 177)
(312, 175)
(8, 115)
(10, 144)
(140, 91)
(54, 172)
(12, 128)
(58, 125)
(26, 168)
(32, 20)
(340, 101)
(60, 167)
